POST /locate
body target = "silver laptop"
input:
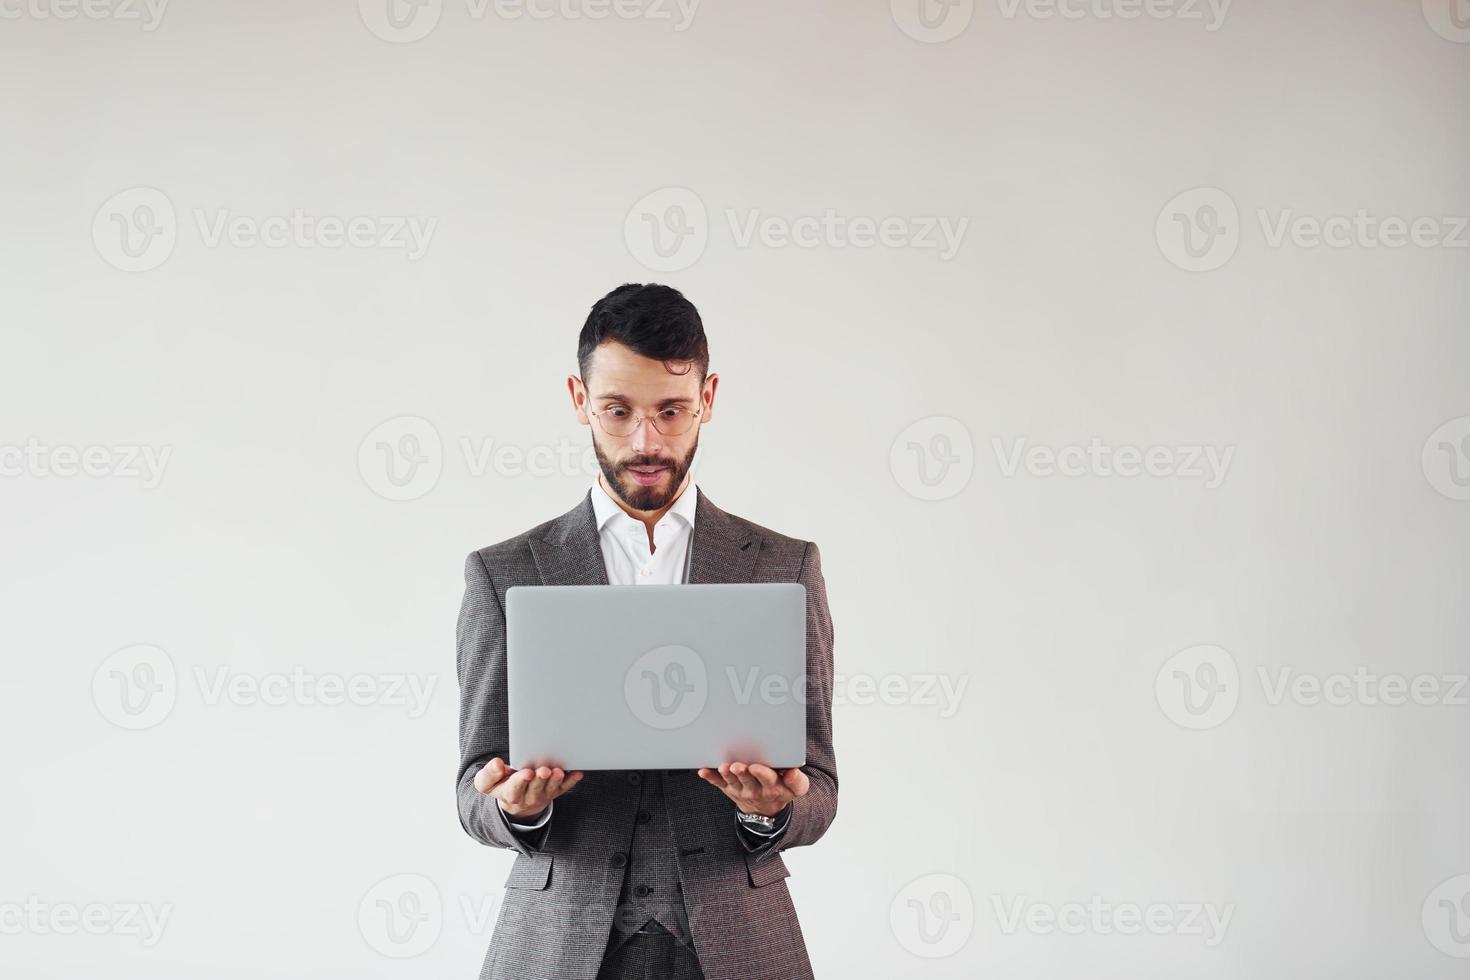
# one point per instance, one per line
(656, 676)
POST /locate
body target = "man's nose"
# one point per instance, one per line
(646, 439)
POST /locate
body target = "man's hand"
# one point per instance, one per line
(524, 793)
(756, 788)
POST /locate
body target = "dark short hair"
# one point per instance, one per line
(653, 321)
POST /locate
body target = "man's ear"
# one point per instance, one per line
(578, 391)
(707, 397)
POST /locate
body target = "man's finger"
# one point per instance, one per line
(765, 775)
(748, 785)
(515, 787)
(714, 778)
(796, 781)
(490, 775)
(536, 786)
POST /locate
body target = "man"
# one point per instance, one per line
(659, 873)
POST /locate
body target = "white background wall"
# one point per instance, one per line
(1081, 763)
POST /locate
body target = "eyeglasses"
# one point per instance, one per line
(619, 422)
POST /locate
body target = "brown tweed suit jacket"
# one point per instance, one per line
(562, 892)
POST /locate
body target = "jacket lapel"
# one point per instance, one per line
(720, 551)
(569, 553)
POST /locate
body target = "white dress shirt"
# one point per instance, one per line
(630, 561)
(624, 541)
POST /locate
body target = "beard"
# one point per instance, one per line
(633, 493)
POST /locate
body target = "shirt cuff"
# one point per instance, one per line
(517, 825)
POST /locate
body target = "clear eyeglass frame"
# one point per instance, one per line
(615, 428)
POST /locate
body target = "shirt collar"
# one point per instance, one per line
(604, 508)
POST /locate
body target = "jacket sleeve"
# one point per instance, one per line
(484, 731)
(813, 813)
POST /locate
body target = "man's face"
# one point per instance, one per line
(647, 468)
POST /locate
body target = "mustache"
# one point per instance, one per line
(646, 461)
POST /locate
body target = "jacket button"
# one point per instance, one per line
(643, 891)
(644, 816)
(618, 860)
(635, 778)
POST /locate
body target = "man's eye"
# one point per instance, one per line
(617, 412)
(670, 413)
